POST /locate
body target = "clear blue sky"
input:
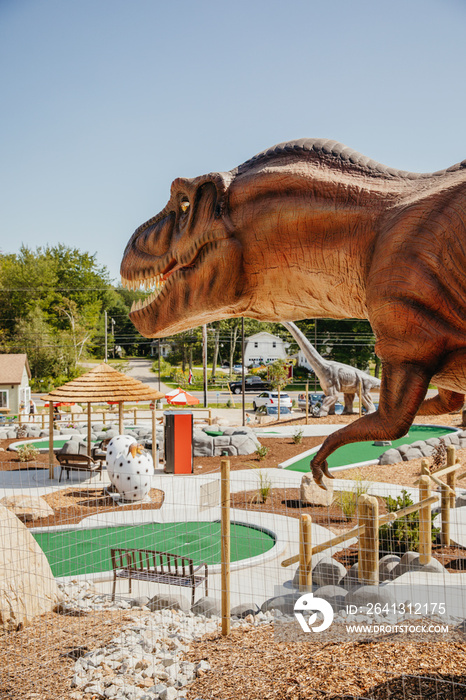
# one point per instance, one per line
(105, 102)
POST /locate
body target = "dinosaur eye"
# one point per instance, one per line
(184, 205)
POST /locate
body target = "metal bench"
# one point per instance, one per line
(77, 462)
(157, 567)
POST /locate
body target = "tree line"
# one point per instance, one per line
(53, 304)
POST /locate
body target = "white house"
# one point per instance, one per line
(165, 348)
(14, 383)
(264, 347)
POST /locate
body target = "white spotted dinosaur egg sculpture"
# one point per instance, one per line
(115, 447)
(132, 472)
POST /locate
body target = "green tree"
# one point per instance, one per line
(278, 378)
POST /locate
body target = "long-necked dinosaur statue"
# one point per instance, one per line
(356, 238)
(336, 377)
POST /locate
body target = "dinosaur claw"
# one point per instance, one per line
(318, 474)
(326, 471)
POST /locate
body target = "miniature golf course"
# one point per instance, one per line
(84, 551)
(364, 451)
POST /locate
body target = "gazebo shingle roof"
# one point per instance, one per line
(103, 383)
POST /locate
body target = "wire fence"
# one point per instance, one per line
(233, 583)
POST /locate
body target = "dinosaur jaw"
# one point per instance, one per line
(185, 296)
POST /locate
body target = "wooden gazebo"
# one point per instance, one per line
(101, 384)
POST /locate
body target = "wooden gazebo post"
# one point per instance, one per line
(154, 437)
(121, 427)
(89, 429)
(51, 453)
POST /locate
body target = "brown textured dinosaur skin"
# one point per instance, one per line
(313, 229)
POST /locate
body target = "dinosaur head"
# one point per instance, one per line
(189, 256)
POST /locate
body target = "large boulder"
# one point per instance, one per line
(169, 602)
(328, 572)
(244, 444)
(27, 585)
(313, 494)
(413, 453)
(390, 457)
(335, 595)
(366, 595)
(283, 603)
(27, 507)
(203, 444)
(209, 607)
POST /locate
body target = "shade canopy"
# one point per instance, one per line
(181, 398)
(102, 384)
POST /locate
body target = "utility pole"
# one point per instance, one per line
(112, 321)
(204, 361)
(243, 385)
(106, 357)
(158, 346)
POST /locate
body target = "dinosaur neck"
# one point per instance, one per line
(318, 364)
(307, 238)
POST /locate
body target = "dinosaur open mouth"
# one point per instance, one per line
(163, 279)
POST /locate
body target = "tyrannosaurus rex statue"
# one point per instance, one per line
(314, 229)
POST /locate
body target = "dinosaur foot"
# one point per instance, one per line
(318, 472)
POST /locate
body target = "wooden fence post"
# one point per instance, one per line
(445, 511)
(305, 552)
(225, 543)
(307, 403)
(368, 556)
(451, 477)
(135, 416)
(425, 522)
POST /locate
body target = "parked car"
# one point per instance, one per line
(313, 399)
(270, 398)
(250, 384)
(237, 369)
(273, 410)
(315, 402)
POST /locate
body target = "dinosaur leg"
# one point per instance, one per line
(328, 405)
(445, 402)
(349, 399)
(367, 402)
(402, 391)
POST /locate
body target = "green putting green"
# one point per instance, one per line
(364, 451)
(74, 552)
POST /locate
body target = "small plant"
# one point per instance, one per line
(27, 453)
(261, 452)
(439, 456)
(298, 436)
(229, 404)
(348, 500)
(265, 486)
(402, 535)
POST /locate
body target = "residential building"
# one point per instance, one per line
(14, 383)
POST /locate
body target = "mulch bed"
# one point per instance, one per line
(74, 504)
(251, 665)
(37, 663)
(287, 502)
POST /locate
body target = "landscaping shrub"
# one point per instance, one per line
(261, 452)
(348, 500)
(27, 453)
(402, 535)
(265, 485)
